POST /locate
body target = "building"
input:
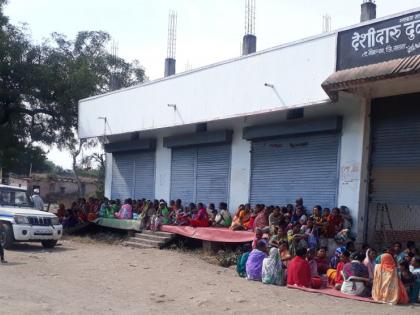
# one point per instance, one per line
(331, 118)
(55, 188)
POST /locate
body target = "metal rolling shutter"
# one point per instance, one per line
(306, 166)
(144, 166)
(183, 174)
(213, 168)
(395, 158)
(133, 175)
(122, 185)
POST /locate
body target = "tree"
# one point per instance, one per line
(40, 85)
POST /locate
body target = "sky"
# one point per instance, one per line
(208, 30)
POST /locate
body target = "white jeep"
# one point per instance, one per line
(20, 222)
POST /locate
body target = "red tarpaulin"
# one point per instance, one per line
(211, 234)
(333, 292)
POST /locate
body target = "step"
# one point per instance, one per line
(146, 241)
(138, 245)
(153, 237)
(157, 233)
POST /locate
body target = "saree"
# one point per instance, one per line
(353, 287)
(387, 287)
(272, 271)
(299, 272)
(241, 265)
(254, 265)
(370, 264)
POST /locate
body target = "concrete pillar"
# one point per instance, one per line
(368, 11)
(108, 175)
(170, 67)
(163, 171)
(239, 170)
(249, 44)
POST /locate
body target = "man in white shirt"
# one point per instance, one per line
(37, 200)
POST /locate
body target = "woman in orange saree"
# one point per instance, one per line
(387, 287)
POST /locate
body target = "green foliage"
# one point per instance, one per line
(40, 86)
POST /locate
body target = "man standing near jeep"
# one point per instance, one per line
(37, 200)
(2, 260)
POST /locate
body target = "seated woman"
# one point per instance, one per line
(274, 218)
(356, 277)
(241, 219)
(278, 236)
(162, 217)
(299, 271)
(211, 212)
(284, 254)
(201, 218)
(335, 276)
(272, 270)
(387, 287)
(223, 218)
(243, 258)
(415, 270)
(255, 261)
(322, 261)
(369, 261)
(61, 212)
(126, 211)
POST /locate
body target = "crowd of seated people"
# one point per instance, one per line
(392, 277)
(288, 247)
(151, 214)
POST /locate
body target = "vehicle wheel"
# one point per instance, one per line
(49, 243)
(6, 235)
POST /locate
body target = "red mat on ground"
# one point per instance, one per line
(211, 234)
(333, 292)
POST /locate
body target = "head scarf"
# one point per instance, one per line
(370, 264)
(387, 262)
(271, 267)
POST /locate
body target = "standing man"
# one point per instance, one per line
(37, 200)
(2, 260)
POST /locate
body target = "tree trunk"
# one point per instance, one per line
(75, 154)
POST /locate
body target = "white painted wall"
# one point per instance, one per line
(230, 89)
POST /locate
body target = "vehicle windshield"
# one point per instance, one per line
(10, 197)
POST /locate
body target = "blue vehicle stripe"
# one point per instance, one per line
(7, 215)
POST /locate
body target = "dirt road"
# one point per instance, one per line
(79, 278)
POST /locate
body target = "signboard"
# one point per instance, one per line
(398, 37)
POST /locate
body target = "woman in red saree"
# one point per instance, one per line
(201, 219)
(299, 271)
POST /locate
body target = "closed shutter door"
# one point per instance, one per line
(144, 165)
(133, 175)
(183, 174)
(394, 190)
(283, 169)
(213, 168)
(122, 186)
(395, 173)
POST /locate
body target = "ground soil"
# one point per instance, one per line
(95, 278)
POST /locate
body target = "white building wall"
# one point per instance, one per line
(230, 89)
